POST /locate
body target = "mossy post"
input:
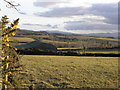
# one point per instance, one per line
(10, 59)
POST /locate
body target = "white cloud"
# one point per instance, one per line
(70, 3)
(69, 11)
(59, 3)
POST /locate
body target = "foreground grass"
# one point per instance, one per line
(72, 71)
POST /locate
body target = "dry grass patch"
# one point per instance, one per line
(72, 71)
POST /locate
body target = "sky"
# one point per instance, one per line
(74, 16)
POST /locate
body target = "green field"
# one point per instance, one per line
(21, 39)
(109, 51)
(102, 51)
(108, 39)
(71, 71)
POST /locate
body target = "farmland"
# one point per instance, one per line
(79, 50)
(60, 71)
(78, 43)
(66, 40)
(71, 71)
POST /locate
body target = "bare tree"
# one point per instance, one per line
(11, 4)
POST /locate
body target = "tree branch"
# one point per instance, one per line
(11, 5)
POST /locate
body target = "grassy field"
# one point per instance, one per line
(21, 39)
(108, 39)
(114, 51)
(102, 51)
(71, 71)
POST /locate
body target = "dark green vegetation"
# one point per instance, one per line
(71, 71)
(37, 46)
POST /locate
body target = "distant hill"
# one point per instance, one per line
(104, 34)
(29, 32)
(64, 40)
(35, 42)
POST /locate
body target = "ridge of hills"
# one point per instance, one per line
(109, 35)
(63, 40)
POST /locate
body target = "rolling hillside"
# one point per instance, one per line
(68, 42)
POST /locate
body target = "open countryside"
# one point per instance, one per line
(59, 44)
(60, 70)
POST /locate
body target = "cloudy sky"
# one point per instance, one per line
(75, 16)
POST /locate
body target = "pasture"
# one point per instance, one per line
(70, 71)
